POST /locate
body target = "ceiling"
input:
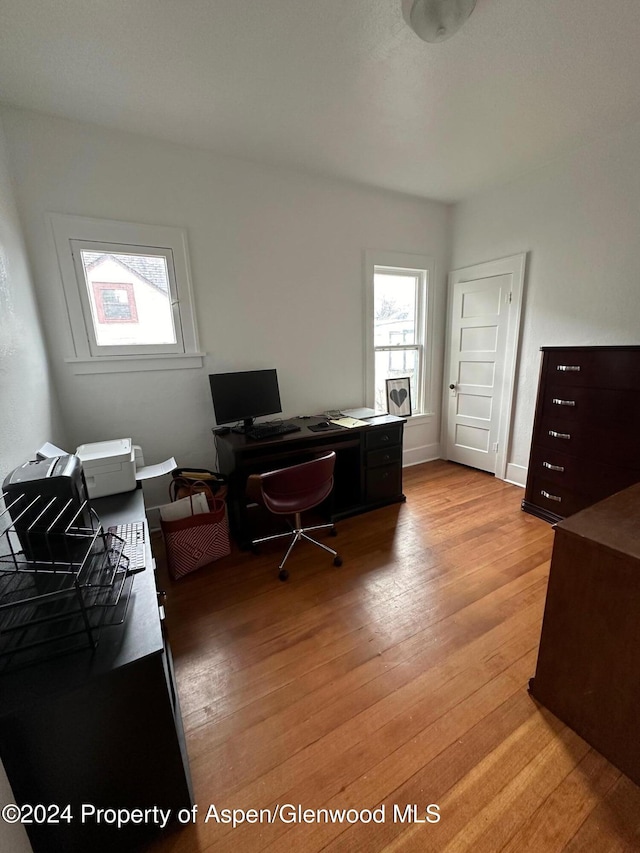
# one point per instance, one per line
(337, 87)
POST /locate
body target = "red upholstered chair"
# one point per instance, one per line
(291, 491)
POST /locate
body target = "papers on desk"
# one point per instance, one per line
(349, 423)
(361, 414)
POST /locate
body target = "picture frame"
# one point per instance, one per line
(399, 396)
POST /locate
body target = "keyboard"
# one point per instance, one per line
(270, 430)
(133, 535)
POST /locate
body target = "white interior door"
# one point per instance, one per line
(483, 325)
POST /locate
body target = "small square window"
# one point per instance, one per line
(129, 299)
(127, 291)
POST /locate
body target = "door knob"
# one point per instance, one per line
(452, 386)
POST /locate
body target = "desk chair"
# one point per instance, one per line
(292, 491)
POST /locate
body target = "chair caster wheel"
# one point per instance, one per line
(337, 561)
(283, 575)
(333, 532)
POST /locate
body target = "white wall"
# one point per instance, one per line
(29, 408)
(276, 256)
(579, 219)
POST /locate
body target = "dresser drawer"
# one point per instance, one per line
(383, 437)
(602, 407)
(617, 369)
(555, 498)
(383, 483)
(568, 403)
(554, 466)
(568, 367)
(618, 446)
(386, 455)
(584, 475)
(597, 368)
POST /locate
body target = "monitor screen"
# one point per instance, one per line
(245, 395)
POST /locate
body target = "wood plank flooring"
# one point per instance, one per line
(399, 679)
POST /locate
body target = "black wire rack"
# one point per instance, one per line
(62, 578)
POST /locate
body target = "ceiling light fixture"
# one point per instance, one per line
(436, 20)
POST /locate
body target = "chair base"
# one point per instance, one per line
(297, 533)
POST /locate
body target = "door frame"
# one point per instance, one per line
(514, 265)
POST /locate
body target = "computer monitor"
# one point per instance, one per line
(245, 395)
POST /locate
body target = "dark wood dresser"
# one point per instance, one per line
(586, 434)
(587, 672)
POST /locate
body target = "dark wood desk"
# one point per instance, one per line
(368, 465)
(100, 727)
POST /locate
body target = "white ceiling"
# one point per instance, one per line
(340, 87)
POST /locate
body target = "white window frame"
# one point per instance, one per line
(424, 267)
(72, 234)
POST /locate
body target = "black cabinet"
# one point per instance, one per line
(100, 729)
(383, 463)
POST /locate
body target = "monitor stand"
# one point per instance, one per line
(246, 424)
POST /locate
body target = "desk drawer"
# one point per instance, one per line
(383, 437)
(385, 456)
(383, 483)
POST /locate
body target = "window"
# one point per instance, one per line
(137, 307)
(128, 295)
(114, 302)
(398, 320)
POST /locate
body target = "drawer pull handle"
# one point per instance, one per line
(551, 467)
(569, 368)
(558, 402)
(550, 497)
(385, 438)
(564, 435)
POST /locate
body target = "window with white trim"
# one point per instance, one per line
(398, 324)
(128, 295)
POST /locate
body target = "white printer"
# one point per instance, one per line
(110, 466)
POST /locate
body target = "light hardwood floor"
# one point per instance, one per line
(398, 679)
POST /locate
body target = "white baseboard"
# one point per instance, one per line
(516, 474)
(417, 455)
